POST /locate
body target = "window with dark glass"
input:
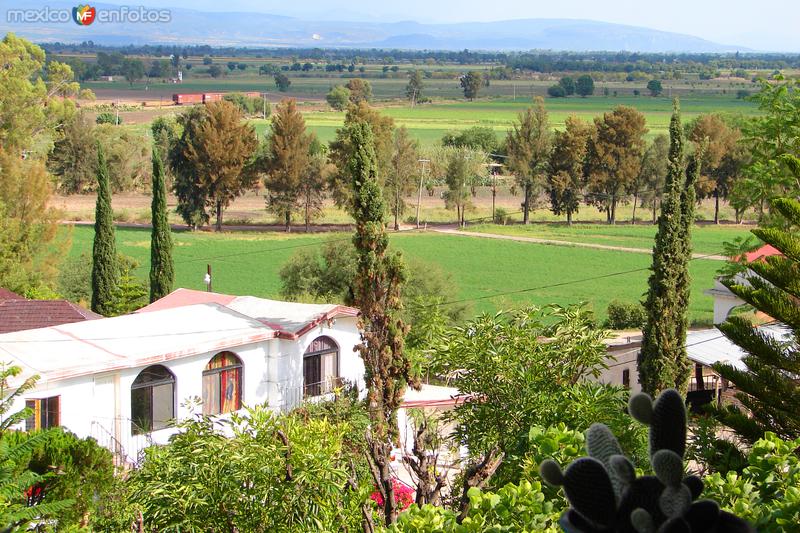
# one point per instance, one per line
(626, 378)
(45, 413)
(152, 400)
(320, 367)
(222, 384)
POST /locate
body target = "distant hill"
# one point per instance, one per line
(264, 30)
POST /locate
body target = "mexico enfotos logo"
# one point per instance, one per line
(85, 15)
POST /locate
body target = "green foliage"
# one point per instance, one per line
(513, 508)
(338, 97)
(710, 453)
(477, 138)
(529, 146)
(662, 361)
(471, 83)
(282, 81)
(74, 157)
(767, 387)
(249, 105)
(568, 84)
(108, 118)
(162, 269)
(767, 492)
(584, 86)
(105, 274)
(130, 293)
(655, 88)
(556, 91)
(271, 474)
(625, 315)
(73, 469)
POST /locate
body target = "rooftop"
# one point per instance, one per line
(709, 346)
(89, 347)
(21, 314)
(289, 319)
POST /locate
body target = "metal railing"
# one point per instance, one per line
(294, 396)
(115, 435)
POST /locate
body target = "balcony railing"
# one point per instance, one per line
(292, 397)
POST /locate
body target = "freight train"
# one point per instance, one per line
(204, 98)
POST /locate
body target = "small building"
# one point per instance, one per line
(125, 380)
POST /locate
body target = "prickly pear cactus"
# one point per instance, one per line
(605, 495)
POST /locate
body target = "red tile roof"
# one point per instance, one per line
(6, 294)
(181, 297)
(21, 314)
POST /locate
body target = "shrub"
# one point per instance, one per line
(501, 216)
(625, 315)
(108, 118)
(556, 91)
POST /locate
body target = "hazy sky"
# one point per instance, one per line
(764, 24)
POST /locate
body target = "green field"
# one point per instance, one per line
(706, 239)
(429, 122)
(248, 263)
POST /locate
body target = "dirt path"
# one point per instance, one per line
(537, 240)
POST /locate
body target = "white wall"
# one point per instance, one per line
(100, 405)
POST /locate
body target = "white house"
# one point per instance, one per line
(123, 380)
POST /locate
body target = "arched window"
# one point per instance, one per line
(222, 384)
(320, 367)
(152, 400)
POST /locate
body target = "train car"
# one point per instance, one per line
(181, 99)
(253, 94)
(211, 97)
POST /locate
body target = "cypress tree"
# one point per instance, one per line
(376, 291)
(105, 274)
(662, 360)
(768, 387)
(162, 273)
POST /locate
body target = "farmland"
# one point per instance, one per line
(248, 263)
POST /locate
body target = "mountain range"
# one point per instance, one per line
(188, 26)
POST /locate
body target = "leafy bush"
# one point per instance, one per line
(519, 508)
(108, 118)
(767, 492)
(556, 91)
(625, 315)
(501, 216)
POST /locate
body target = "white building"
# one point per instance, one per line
(124, 380)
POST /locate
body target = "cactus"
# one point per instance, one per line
(605, 495)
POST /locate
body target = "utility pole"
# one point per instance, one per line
(419, 193)
(207, 278)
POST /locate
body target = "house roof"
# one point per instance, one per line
(6, 294)
(289, 319)
(89, 347)
(760, 253)
(22, 314)
(709, 346)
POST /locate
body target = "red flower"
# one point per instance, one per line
(403, 495)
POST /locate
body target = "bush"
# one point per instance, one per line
(556, 91)
(501, 216)
(108, 118)
(625, 315)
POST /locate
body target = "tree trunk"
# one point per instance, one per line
(476, 476)
(569, 217)
(308, 215)
(635, 200)
(716, 205)
(698, 376)
(526, 205)
(288, 220)
(219, 216)
(655, 209)
(613, 209)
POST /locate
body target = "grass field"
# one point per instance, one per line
(706, 239)
(248, 263)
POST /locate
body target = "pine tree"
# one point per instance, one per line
(105, 274)
(768, 387)
(162, 272)
(377, 289)
(662, 360)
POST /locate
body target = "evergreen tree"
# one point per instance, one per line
(105, 274)
(768, 387)
(529, 145)
(377, 290)
(162, 272)
(662, 360)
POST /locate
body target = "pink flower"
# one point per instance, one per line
(403, 495)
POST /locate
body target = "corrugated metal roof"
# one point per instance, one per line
(93, 346)
(710, 346)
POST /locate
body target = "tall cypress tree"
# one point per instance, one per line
(162, 272)
(105, 272)
(768, 387)
(662, 360)
(376, 292)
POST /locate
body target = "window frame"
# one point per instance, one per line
(218, 371)
(311, 390)
(136, 429)
(35, 419)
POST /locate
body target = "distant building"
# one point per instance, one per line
(125, 380)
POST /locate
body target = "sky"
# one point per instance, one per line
(770, 25)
